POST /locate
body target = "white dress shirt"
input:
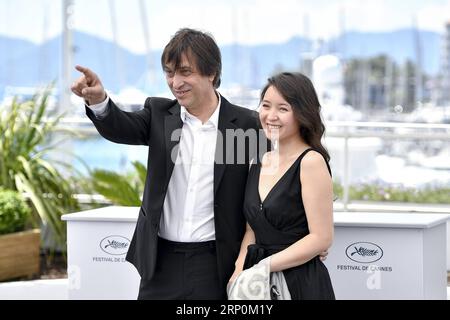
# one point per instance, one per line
(188, 210)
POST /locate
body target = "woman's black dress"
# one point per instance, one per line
(278, 222)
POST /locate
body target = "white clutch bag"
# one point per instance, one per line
(258, 283)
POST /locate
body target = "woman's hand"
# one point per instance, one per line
(323, 255)
(235, 274)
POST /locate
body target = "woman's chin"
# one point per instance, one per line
(272, 134)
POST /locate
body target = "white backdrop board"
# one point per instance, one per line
(389, 256)
(374, 255)
(97, 243)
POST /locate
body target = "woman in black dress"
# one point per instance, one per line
(289, 194)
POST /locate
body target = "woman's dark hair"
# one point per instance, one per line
(299, 92)
(197, 45)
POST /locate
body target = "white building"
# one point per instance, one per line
(328, 79)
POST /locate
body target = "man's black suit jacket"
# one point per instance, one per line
(155, 126)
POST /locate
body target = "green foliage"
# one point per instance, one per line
(386, 193)
(14, 212)
(26, 166)
(124, 190)
(338, 191)
(141, 171)
(373, 74)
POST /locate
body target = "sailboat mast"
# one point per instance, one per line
(343, 40)
(117, 55)
(43, 52)
(148, 53)
(67, 55)
(419, 53)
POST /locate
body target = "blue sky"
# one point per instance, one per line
(243, 21)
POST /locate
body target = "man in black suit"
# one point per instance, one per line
(190, 224)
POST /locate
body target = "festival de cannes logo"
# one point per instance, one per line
(115, 245)
(364, 252)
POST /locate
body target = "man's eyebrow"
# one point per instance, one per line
(184, 68)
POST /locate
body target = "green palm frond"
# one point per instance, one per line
(141, 171)
(116, 188)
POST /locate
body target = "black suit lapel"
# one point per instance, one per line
(172, 134)
(222, 157)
